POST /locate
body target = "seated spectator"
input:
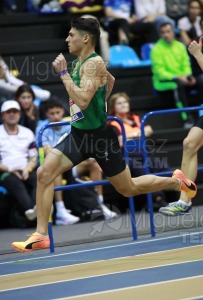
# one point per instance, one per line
(153, 12)
(9, 84)
(55, 111)
(90, 8)
(18, 160)
(175, 9)
(190, 24)
(190, 28)
(119, 106)
(172, 74)
(29, 112)
(121, 21)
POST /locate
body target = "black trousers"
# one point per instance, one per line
(23, 192)
(183, 92)
(147, 31)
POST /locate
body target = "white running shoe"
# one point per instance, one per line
(65, 218)
(31, 214)
(108, 214)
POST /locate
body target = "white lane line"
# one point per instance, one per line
(102, 275)
(134, 287)
(101, 260)
(103, 248)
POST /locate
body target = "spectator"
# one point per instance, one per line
(29, 112)
(90, 8)
(172, 73)
(190, 27)
(55, 112)
(121, 21)
(9, 84)
(94, 7)
(119, 106)
(175, 9)
(48, 6)
(190, 24)
(201, 1)
(152, 12)
(18, 159)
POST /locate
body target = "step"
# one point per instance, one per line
(134, 86)
(33, 47)
(12, 20)
(30, 32)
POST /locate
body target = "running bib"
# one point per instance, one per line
(75, 112)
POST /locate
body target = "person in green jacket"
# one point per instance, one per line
(172, 73)
(89, 85)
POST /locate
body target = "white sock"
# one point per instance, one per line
(59, 205)
(185, 203)
(42, 235)
(100, 199)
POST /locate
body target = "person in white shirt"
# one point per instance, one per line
(152, 11)
(18, 159)
(122, 22)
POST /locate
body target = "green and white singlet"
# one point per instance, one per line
(94, 115)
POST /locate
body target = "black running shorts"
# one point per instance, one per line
(101, 144)
(199, 123)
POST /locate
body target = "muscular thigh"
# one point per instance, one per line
(55, 163)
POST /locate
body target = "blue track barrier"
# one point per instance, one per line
(80, 185)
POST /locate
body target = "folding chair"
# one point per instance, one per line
(145, 50)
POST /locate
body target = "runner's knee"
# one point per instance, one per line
(189, 146)
(43, 175)
(125, 190)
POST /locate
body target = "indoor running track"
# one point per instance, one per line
(167, 267)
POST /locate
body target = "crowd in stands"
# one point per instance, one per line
(169, 24)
